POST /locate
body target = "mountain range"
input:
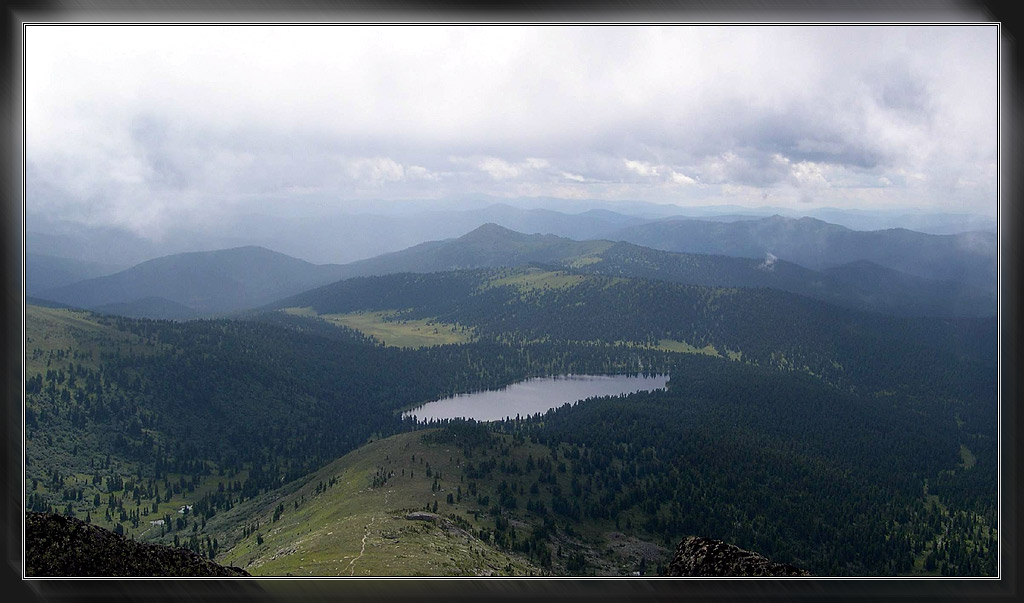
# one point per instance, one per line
(968, 257)
(365, 231)
(333, 238)
(191, 285)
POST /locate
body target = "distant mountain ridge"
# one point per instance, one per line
(862, 285)
(968, 258)
(859, 285)
(205, 282)
(44, 271)
(365, 230)
(185, 286)
(351, 238)
(336, 238)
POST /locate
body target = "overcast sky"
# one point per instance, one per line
(150, 126)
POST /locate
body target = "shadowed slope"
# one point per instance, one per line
(702, 557)
(59, 546)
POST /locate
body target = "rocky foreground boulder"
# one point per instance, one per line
(61, 546)
(703, 557)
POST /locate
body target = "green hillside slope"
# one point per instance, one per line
(370, 513)
(129, 420)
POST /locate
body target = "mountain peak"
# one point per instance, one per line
(244, 250)
(491, 230)
(801, 222)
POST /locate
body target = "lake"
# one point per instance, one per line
(533, 395)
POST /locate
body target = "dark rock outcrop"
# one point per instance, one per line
(704, 557)
(60, 546)
(423, 516)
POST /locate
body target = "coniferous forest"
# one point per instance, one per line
(843, 442)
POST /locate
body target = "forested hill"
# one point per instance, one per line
(955, 357)
(863, 285)
(488, 246)
(849, 482)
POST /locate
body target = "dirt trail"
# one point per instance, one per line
(366, 533)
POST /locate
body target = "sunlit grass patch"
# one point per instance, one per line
(672, 345)
(532, 279)
(675, 345)
(403, 333)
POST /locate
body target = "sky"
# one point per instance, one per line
(145, 127)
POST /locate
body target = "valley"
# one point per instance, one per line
(520, 305)
(273, 438)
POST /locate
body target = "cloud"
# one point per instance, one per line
(375, 170)
(498, 169)
(661, 172)
(642, 168)
(745, 166)
(155, 124)
(418, 171)
(680, 178)
(804, 173)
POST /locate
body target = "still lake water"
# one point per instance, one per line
(533, 395)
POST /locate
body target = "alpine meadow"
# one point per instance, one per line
(514, 301)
